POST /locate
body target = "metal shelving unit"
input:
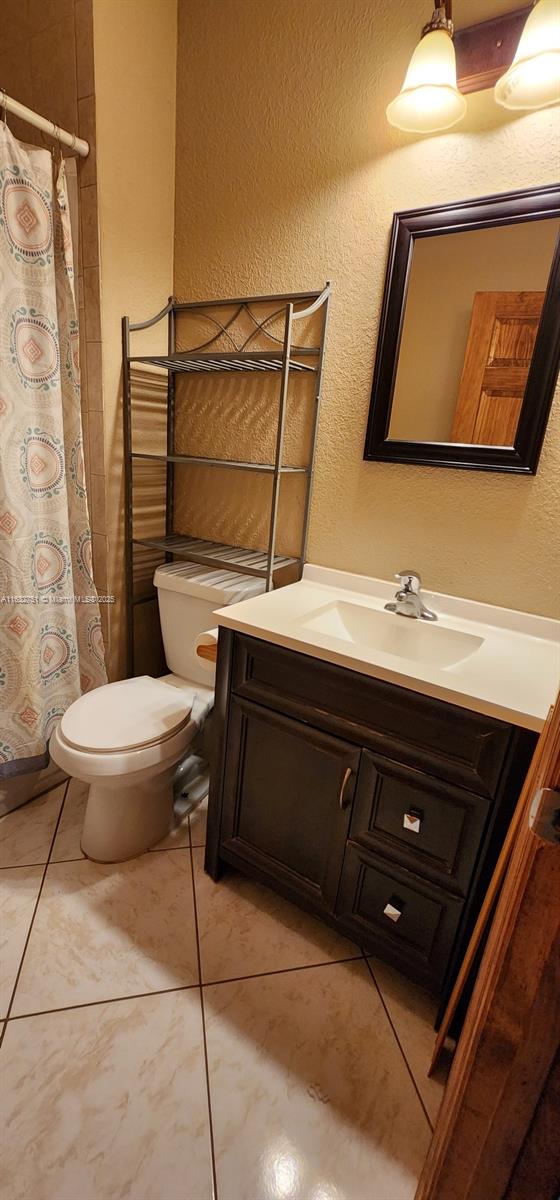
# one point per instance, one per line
(262, 468)
(267, 360)
(284, 358)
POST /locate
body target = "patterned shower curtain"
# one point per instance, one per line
(51, 645)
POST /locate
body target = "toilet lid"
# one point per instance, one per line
(126, 715)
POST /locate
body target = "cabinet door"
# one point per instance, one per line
(287, 800)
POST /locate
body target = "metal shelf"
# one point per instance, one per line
(217, 554)
(234, 360)
(245, 327)
(263, 468)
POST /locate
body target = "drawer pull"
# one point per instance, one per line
(341, 800)
(391, 911)
(412, 820)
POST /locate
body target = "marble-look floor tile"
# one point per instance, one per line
(179, 837)
(26, 833)
(19, 888)
(197, 821)
(310, 1095)
(412, 1012)
(246, 929)
(106, 1102)
(106, 931)
(68, 835)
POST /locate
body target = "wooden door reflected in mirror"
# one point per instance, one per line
(500, 345)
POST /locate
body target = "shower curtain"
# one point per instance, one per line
(51, 644)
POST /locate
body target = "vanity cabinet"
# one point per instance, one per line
(377, 808)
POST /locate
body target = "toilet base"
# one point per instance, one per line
(122, 822)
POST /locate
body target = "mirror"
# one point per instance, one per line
(469, 344)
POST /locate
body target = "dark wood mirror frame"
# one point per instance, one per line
(510, 208)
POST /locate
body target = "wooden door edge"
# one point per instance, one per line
(494, 965)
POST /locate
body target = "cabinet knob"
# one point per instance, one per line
(392, 911)
(341, 798)
(412, 820)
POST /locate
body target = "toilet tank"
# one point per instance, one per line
(188, 596)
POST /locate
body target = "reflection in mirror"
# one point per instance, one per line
(471, 318)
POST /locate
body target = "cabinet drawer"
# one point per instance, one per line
(433, 828)
(394, 914)
(452, 743)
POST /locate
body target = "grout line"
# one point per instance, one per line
(57, 862)
(283, 971)
(50, 787)
(195, 845)
(36, 905)
(45, 1012)
(152, 850)
(186, 987)
(63, 784)
(53, 839)
(397, 1039)
(164, 849)
(16, 866)
(207, 1072)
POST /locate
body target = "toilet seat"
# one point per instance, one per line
(131, 715)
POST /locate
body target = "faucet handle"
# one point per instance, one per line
(411, 580)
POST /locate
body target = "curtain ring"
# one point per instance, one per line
(74, 143)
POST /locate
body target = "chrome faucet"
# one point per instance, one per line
(408, 601)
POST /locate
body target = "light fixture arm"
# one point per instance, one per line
(441, 18)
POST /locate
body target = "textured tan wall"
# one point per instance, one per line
(135, 60)
(287, 173)
(446, 273)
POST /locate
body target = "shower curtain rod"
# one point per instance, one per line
(78, 145)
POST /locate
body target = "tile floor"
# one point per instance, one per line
(168, 1038)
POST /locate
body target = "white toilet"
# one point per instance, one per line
(134, 741)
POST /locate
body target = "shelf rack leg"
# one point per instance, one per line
(128, 485)
(313, 444)
(284, 383)
(170, 476)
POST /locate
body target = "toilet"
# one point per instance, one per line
(138, 742)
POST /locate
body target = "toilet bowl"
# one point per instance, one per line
(132, 741)
(125, 740)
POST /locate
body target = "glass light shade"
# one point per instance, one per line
(533, 80)
(429, 99)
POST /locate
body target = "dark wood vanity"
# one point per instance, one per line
(377, 808)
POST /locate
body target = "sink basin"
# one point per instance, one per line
(402, 637)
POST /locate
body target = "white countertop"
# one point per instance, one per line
(508, 667)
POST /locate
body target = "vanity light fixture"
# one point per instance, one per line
(533, 79)
(429, 99)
